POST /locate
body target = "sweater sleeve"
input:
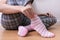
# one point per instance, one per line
(29, 1)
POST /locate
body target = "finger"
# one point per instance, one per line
(26, 13)
(31, 12)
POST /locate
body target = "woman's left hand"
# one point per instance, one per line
(29, 12)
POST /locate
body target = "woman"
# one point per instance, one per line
(13, 14)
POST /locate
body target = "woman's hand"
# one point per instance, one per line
(49, 14)
(28, 11)
(46, 14)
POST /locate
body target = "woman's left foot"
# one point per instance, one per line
(22, 31)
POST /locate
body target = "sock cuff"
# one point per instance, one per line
(36, 17)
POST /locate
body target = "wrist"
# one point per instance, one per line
(19, 8)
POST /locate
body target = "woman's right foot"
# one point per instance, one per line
(38, 26)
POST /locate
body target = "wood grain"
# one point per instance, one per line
(12, 34)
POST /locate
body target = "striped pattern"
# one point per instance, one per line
(12, 21)
(23, 20)
(37, 25)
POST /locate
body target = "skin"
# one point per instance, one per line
(10, 9)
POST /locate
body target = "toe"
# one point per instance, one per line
(22, 31)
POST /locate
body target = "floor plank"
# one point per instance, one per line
(12, 34)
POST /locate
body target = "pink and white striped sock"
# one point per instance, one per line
(23, 30)
(37, 25)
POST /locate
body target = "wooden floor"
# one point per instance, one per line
(12, 34)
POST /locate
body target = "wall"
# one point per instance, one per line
(43, 6)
